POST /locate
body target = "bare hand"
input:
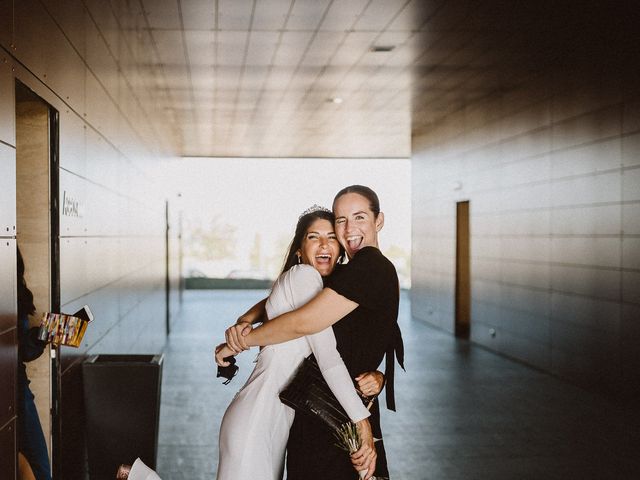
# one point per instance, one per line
(370, 383)
(365, 457)
(223, 351)
(234, 335)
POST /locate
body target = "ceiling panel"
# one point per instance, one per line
(354, 47)
(235, 14)
(342, 16)
(307, 14)
(415, 15)
(170, 47)
(162, 14)
(380, 13)
(292, 48)
(262, 47)
(256, 77)
(271, 15)
(279, 78)
(231, 46)
(323, 47)
(198, 14)
(201, 47)
(227, 77)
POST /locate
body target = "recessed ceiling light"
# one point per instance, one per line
(382, 48)
(337, 100)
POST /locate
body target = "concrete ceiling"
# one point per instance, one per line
(303, 78)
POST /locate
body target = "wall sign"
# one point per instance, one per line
(71, 206)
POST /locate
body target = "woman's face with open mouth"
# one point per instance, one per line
(320, 247)
(356, 225)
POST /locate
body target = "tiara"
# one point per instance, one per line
(312, 209)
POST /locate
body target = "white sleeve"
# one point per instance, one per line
(323, 345)
(304, 283)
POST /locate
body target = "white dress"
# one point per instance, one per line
(255, 427)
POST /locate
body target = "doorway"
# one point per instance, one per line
(463, 272)
(36, 230)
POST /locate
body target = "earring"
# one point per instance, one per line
(299, 259)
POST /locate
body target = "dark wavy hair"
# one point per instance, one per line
(366, 192)
(304, 222)
(25, 297)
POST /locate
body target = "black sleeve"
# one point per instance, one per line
(364, 279)
(30, 346)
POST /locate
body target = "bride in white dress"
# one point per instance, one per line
(255, 427)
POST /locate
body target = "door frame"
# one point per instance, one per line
(463, 271)
(54, 191)
(53, 127)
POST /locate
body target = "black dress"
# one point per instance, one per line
(363, 338)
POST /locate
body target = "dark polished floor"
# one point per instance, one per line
(463, 412)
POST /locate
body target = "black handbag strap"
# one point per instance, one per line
(395, 350)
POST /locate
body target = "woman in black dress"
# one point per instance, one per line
(361, 301)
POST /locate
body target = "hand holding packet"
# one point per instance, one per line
(62, 329)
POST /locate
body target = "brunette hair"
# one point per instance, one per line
(25, 297)
(304, 222)
(366, 192)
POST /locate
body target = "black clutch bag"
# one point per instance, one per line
(229, 371)
(308, 393)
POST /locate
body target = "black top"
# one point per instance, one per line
(363, 338)
(29, 348)
(371, 330)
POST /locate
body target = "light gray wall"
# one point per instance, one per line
(552, 172)
(83, 58)
(8, 351)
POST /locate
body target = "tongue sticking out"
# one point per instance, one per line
(354, 243)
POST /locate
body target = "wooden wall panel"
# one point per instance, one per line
(7, 191)
(64, 70)
(33, 29)
(8, 305)
(73, 142)
(8, 362)
(98, 105)
(6, 23)
(112, 233)
(7, 114)
(8, 451)
(75, 205)
(70, 16)
(555, 258)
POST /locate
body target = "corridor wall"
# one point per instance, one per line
(83, 58)
(551, 168)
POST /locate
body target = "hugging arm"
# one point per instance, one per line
(255, 314)
(323, 346)
(321, 312)
(233, 334)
